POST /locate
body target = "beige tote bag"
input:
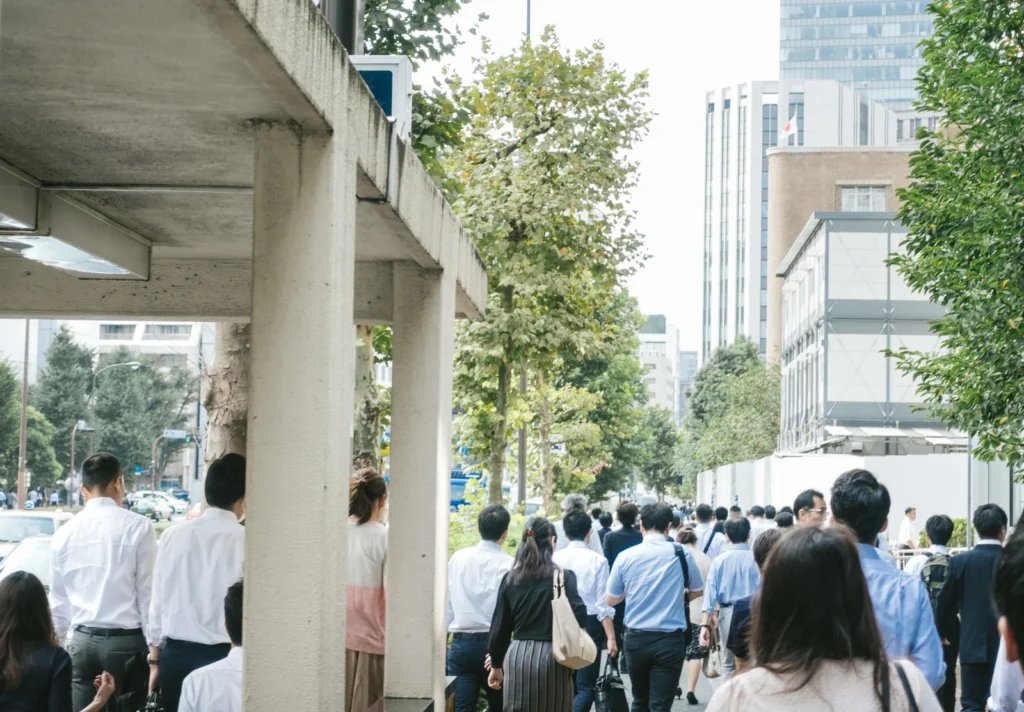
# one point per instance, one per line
(570, 644)
(712, 665)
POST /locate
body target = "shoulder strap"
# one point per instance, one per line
(707, 544)
(558, 584)
(681, 555)
(906, 688)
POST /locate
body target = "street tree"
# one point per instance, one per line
(40, 460)
(707, 397)
(658, 472)
(62, 391)
(963, 211)
(544, 183)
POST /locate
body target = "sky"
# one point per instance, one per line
(689, 47)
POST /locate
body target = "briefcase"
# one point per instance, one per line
(610, 690)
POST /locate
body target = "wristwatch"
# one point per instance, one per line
(152, 661)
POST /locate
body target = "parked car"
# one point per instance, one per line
(32, 555)
(152, 507)
(181, 494)
(16, 525)
(174, 503)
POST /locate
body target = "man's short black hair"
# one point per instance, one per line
(721, 514)
(990, 521)
(627, 513)
(704, 513)
(784, 520)
(735, 509)
(787, 509)
(1008, 586)
(225, 481)
(577, 523)
(862, 503)
(656, 517)
(908, 510)
(738, 530)
(493, 522)
(99, 470)
(769, 511)
(595, 512)
(939, 528)
(805, 500)
(606, 519)
(757, 511)
(233, 613)
(676, 521)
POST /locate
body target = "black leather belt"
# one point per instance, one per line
(456, 636)
(108, 632)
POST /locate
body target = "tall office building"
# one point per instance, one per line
(742, 123)
(659, 356)
(868, 46)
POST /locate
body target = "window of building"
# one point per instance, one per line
(117, 332)
(868, 9)
(863, 199)
(167, 332)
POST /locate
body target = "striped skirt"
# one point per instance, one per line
(534, 681)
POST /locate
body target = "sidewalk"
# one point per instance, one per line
(704, 693)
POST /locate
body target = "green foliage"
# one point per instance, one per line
(543, 189)
(963, 210)
(40, 460)
(659, 471)
(958, 539)
(62, 392)
(462, 531)
(737, 418)
(133, 407)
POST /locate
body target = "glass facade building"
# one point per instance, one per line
(867, 45)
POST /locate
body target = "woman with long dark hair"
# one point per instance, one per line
(35, 672)
(525, 668)
(365, 602)
(814, 639)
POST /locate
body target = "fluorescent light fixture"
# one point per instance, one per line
(62, 233)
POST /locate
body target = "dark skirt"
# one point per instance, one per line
(534, 681)
(696, 651)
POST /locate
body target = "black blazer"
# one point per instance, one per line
(968, 592)
(45, 683)
(616, 542)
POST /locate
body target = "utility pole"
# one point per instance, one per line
(528, 19)
(23, 436)
(154, 465)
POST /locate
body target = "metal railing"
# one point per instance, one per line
(902, 556)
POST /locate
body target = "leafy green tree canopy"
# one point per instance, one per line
(40, 460)
(707, 396)
(62, 391)
(659, 471)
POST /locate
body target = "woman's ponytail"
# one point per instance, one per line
(366, 488)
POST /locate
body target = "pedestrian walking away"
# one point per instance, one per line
(197, 561)
(622, 539)
(902, 606)
(525, 669)
(570, 503)
(474, 577)
(652, 579)
(738, 641)
(217, 687)
(695, 652)
(1007, 693)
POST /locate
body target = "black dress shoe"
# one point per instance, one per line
(692, 698)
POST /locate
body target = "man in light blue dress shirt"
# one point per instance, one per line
(902, 607)
(733, 575)
(650, 578)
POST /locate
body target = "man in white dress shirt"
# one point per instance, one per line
(571, 502)
(196, 564)
(101, 571)
(592, 583)
(218, 686)
(910, 533)
(708, 540)
(474, 575)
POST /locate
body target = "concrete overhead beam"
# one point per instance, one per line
(199, 290)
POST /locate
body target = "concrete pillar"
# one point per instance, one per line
(300, 421)
(420, 484)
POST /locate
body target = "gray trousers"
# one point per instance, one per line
(728, 659)
(92, 654)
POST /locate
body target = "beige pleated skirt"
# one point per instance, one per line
(364, 681)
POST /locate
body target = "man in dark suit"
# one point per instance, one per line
(606, 526)
(615, 542)
(967, 592)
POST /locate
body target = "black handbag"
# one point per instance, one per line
(610, 691)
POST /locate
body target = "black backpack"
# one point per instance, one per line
(934, 575)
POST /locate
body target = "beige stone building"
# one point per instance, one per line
(805, 180)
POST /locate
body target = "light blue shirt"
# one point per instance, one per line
(904, 615)
(650, 577)
(733, 575)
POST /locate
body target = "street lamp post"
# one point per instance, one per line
(153, 466)
(134, 365)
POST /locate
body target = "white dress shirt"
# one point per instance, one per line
(703, 532)
(909, 531)
(101, 565)
(214, 688)
(591, 576)
(916, 564)
(474, 575)
(1007, 683)
(563, 541)
(196, 564)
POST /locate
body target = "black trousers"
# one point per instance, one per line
(974, 685)
(178, 659)
(655, 664)
(466, 664)
(947, 693)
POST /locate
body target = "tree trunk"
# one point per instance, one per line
(226, 392)
(366, 434)
(547, 470)
(499, 436)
